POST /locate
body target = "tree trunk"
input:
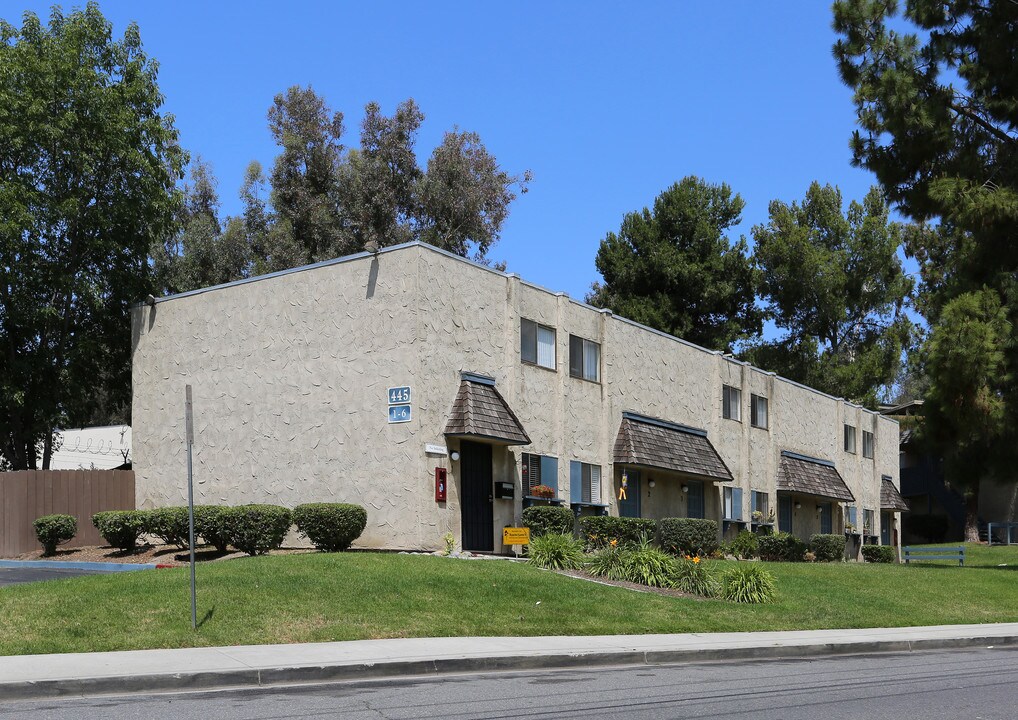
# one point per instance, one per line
(972, 513)
(47, 449)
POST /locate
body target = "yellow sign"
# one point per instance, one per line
(515, 536)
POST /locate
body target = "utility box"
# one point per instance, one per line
(504, 490)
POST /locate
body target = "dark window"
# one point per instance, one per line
(758, 411)
(537, 344)
(584, 359)
(731, 403)
(825, 519)
(867, 444)
(584, 482)
(696, 509)
(850, 439)
(539, 470)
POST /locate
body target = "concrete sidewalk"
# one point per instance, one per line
(35, 676)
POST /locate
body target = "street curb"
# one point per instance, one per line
(247, 678)
(72, 565)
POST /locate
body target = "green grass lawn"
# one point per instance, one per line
(320, 597)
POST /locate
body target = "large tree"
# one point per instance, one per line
(88, 167)
(672, 267)
(936, 94)
(833, 282)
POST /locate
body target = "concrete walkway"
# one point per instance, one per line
(34, 676)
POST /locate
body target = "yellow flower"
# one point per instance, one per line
(697, 560)
(613, 542)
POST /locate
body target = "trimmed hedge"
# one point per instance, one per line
(256, 529)
(169, 524)
(781, 546)
(210, 522)
(827, 548)
(879, 553)
(52, 530)
(688, 536)
(548, 519)
(598, 531)
(121, 528)
(330, 526)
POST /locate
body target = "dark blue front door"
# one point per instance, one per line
(630, 507)
(785, 514)
(825, 519)
(696, 509)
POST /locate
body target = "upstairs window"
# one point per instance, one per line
(867, 444)
(584, 359)
(850, 439)
(758, 411)
(731, 403)
(537, 344)
(539, 470)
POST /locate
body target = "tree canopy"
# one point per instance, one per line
(833, 282)
(88, 168)
(672, 267)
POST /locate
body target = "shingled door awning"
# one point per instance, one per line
(656, 443)
(810, 476)
(890, 498)
(480, 412)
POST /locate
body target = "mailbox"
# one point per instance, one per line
(504, 490)
(441, 484)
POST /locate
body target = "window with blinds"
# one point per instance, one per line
(584, 483)
(731, 403)
(850, 439)
(584, 359)
(537, 344)
(539, 470)
(758, 411)
(867, 444)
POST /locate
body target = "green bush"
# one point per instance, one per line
(745, 545)
(330, 526)
(689, 536)
(556, 551)
(256, 529)
(747, 583)
(544, 519)
(648, 565)
(169, 524)
(609, 563)
(781, 546)
(210, 522)
(598, 531)
(879, 553)
(692, 575)
(121, 528)
(827, 548)
(53, 530)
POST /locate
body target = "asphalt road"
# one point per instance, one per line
(14, 576)
(944, 685)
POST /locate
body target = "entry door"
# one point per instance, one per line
(630, 507)
(784, 514)
(696, 505)
(885, 528)
(476, 515)
(826, 524)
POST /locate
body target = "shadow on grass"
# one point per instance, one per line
(207, 616)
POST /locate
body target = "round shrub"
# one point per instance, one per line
(210, 522)
(688, 536)
(747, 583)
(256, 529)
(121, 528)
(53, 530)
(544, 519)
(169, 524)
(330, 526)
(781, 547)
(827, 548)
(598, 531)
(879, 553)
(556, 551)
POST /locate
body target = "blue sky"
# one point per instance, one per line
(607, 103)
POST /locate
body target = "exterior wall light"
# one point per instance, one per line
(651, 483)
(455, 456)
(798, 505)
(685, 488)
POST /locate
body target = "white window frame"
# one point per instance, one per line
(539, 361)
(868, 444)
(731, 403)
(755, 403)
(849, 434)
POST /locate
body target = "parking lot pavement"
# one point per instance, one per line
(15, 576)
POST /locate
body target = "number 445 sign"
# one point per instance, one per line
(399, 404)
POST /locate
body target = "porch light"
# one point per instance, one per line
(651, 483)
(798, 505)
(685, 488)
(455, 456)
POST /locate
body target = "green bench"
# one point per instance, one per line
(922, 554)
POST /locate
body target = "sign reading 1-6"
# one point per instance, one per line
(399, 413)
(399, 395)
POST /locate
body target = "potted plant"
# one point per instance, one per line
(542, 491)
(757, 516)
(849, 527)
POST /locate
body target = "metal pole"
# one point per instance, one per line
(189, 428)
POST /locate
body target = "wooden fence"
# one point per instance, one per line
(29, 494)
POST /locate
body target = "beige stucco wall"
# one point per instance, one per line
(290, 375)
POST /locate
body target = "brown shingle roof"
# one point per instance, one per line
(656, 443)
(810, 476)
(481, 411)
(890, 498)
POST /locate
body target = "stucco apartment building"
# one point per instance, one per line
(376, 378)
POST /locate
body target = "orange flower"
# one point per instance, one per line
(696, 560)
(613, 542)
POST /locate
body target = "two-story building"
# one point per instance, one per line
(376, 378)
